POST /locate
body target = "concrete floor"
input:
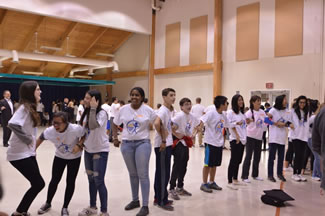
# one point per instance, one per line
(245, 201)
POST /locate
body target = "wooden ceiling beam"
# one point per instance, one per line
(3, 17)
(118, 45)
(60, 43)
(99, 33)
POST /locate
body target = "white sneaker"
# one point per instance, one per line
(232, 186)
(104, 214)
(296, 178)
(302, 178)
(315, 178)
(246, 180)
(238, 183)
(88, 212)
(288, 169)
(258, 178)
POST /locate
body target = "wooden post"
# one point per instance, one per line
(152, 60)
(109, 88)
(217, 68)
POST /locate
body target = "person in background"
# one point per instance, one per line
(145, 101)
(7, 110)
(266, 109)
(40, 110)
(198, 111)
(81, 109)
(70, 111)
(115, 106)
(75, 111)
(22, 144)
(289, 156)
(65, 105)
(46, 119)
(107, 108)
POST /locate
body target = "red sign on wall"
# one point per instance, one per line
(269, 85)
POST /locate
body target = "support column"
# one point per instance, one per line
(217, 61)
(152, 60)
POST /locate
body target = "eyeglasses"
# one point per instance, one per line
(57, 123)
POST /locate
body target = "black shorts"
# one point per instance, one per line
(213, 155)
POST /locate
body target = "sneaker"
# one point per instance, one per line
(315, 178)
(132, 205)
(281, 177)
(21, 214)
(302, 178)
(214, 186)
(258, 178)
(183, 192)
(44, 208)
(64, 212)
(247, 180)
(202, 146)
(144, 211)
(174, 194)
(232, 186)
(167, 207)
(288, 169)
(205, 188)
(169, 202)
(103, 214)
(296, 178)
(238, 183)
(271, 178)
(88, 211)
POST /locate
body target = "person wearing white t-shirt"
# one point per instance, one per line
(280, 118)
(65, 136)
(198, 111)
(255, 129)
(163, 149)
(81, 109)
(107, 108)
(96, 149)
(300, 133)
(215, 122)
(184, 129)
(115, 106)
(237, 138)
(136, 147)
(21, 151)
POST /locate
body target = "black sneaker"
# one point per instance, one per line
(45, 208)
(169, 202)
(167, 207)
(214, 186)
(281, 177)
(20, 214)
(271, 178)
(132, 205)
(144, 211)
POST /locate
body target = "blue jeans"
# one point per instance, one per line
(316, 171)
(273, 148)
(95, 164)
(136, 155)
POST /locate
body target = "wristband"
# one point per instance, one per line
(163, 141)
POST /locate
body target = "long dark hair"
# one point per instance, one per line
(279, 102)
(234, 104)
(313, 106)
(253, 99)
(297, 108)
(93, 93)
(27, 98)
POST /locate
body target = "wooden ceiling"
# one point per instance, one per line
(17, 32)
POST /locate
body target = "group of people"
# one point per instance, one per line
(174, 135)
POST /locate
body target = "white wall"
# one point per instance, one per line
(191, 85)
(130, 15)
(301, 74)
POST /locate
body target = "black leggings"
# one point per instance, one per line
(299, 149)
(28, 167)
(58, 167)
(237, 151)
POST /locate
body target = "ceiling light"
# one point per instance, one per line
(51, 48)
(105, 54)
(33, 73)
(80, 76)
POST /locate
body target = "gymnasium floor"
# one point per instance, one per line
(245, 201)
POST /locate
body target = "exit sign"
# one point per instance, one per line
(269, 85)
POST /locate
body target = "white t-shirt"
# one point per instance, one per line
(255, 129)
(198, 110)
(136, 123)
(107, 108)
(185, 123)
(276, 134)
(301, 131)
(233, 119)
(97, 140)
(80, 109)
(114, 109)
(65, 142)
(17, 149)
(214, 123)
(165, 116)
(39, 107)
(209, 108)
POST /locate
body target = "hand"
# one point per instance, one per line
(239, 123)
(162, 147)
(292, 126)
(3, 108)
(280, 124)
(76, 149)
(93, 103)
(237, 139)
(116, 142)
(248, 120)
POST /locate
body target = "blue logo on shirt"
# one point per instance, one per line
(64, 148)
(133, 126)
(219, 127)
(169, 126)
(259, 123)
(243, 125)
(188, 128)
(282, 120)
